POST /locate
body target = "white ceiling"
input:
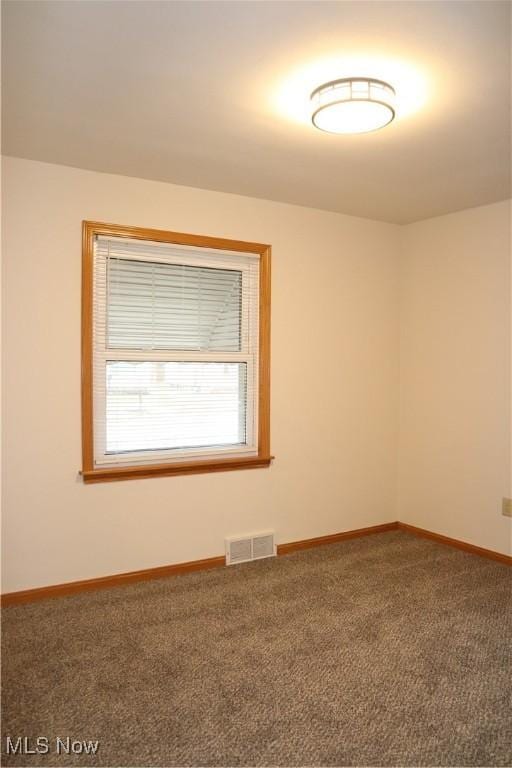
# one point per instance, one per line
(215, 95)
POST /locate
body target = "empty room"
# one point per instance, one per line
(256, 383)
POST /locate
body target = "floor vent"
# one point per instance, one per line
(242, 549)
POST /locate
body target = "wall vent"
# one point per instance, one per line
(242, 549)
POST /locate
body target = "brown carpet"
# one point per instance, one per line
(388, 650)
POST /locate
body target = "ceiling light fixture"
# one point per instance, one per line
(353, 105)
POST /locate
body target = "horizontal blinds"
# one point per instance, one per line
(175, 351)
(173, 306)
(160, 406)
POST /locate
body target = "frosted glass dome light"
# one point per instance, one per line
(353, 105)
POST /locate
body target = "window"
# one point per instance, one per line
(175, 334)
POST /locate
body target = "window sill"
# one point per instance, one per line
(111, 474)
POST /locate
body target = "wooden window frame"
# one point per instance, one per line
(92, 474)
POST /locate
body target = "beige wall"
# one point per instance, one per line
(455, 422)
(334, 382)
(363, 313)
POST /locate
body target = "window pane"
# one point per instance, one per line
(161, 405)
(172, 306)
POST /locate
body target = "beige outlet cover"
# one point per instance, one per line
(507, 507)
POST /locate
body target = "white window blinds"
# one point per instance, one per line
(175, 363)
(173, 306)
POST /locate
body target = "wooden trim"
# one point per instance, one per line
(91, 474)
(264, 356)
(59, 590)
(104, 582)
(463, 545)
(87, 295)
(333, 538)
(120, 579)
(178, 238)
(109, 474)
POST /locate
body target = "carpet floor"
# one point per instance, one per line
(388, 650)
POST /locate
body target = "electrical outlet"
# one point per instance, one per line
(507, 508)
